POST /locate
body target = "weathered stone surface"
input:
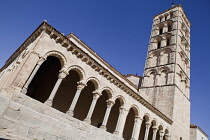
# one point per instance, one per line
(7, 124)
(29, 120)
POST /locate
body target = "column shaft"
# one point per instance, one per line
(92, 107)
(154, 132)
(108, 110)
(147, 131)
(121, 122)
(80, 86)
(136, 128)
(24, 90)
(52, 94)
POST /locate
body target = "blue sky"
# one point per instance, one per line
(117, 30)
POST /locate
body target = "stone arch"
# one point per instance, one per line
(59, 55)
(45, 78)
(100, 109)
(154, 59)
(85, 100)
(150, 78)
(95, 81)
(109, 91)
(152, 127)
(160, 129)
(129, 122)
(66, 91)
(150, 71)
(145, 121)
(78, 69)
(165, 56)
(135, 109)
(147, 117)
(114, 114)
(121, 99)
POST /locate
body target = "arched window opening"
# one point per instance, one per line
(66, 91)
(45, 79)
(171, 15)
(151, 131)
(169, 27)
(113, 117)
(160, 30)
(165, 57)
(158, 44)
(168, 41)
(143, 129)
(160, 129)
(100, 109)
(127, 132)
(154, 60)
(84, 101)
(152, 78)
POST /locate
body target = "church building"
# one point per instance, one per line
(55, 87)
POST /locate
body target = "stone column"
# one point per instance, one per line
(147, 130)
(165, 28)
(80, 87)
(61, 76)
(155, 129)
(121, 121)
(96, 95)
(108, 109)
(161, 135)
(25, 87)
(163, 41)
(136, 128)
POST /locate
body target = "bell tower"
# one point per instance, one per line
(166, 78)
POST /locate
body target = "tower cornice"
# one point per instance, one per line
(179, 5)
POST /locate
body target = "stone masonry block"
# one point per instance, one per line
(22, 129)
(29, 120)
(3, 104)
(7, 124)
(48, 136)
(32, 132)
(12, 113)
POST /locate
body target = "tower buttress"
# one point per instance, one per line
(166, 80)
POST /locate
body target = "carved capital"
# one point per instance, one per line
(137, 119)
(148, 125)
(81, 85)
(161, 133)
(96, 95)
(110, 103)
(62, 75)
(155, 129)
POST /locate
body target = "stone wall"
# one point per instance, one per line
(22, 117)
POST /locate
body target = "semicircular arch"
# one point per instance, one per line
(58, 55)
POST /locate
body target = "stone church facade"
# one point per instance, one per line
(56, 87)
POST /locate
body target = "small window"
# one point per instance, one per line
(161, 30)
(168, 41)
(158, 44)
(169, 27)
(180, 138)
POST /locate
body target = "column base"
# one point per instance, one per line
(87, 120)
(70, 113)
(103, 127)
(48, 102)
